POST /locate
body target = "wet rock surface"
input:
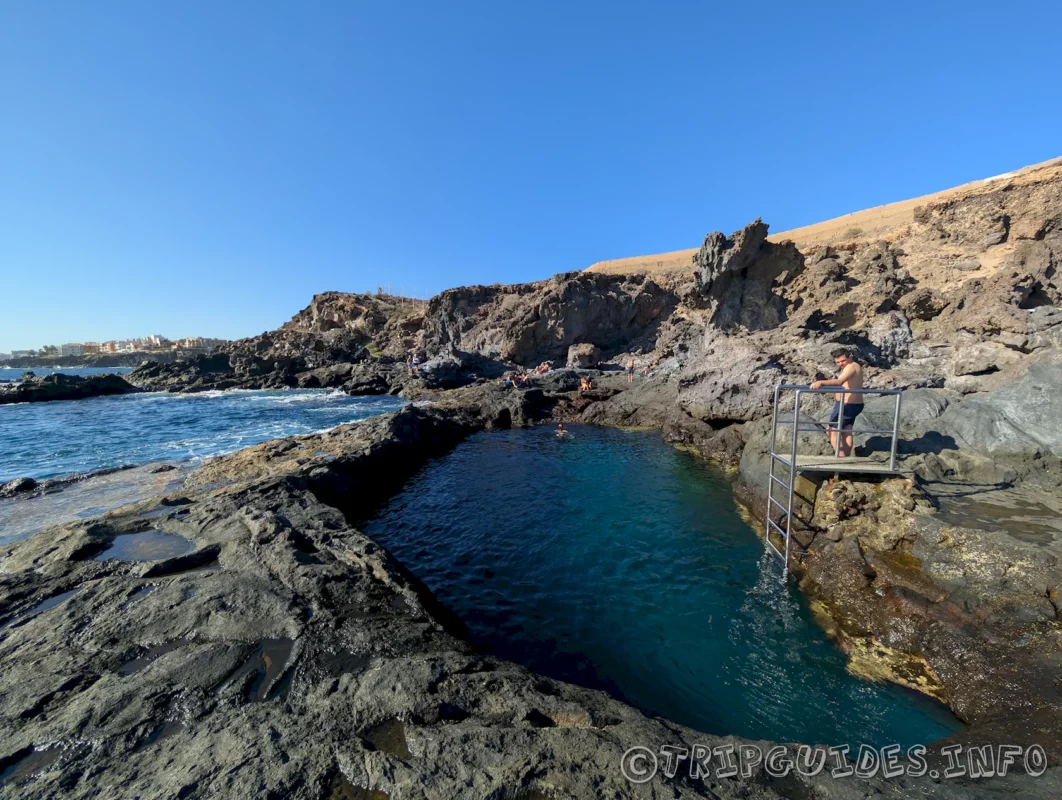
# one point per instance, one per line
(57, 386)
(976, 606)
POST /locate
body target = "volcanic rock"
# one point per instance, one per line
(57, 386)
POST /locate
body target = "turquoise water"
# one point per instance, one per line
(613, 560)
(42, 440)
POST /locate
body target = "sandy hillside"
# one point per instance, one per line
(881, 222)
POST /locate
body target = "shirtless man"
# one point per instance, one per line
(850, 377)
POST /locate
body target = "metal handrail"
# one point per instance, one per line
(818, 427)
(803, 387)
(806, 389)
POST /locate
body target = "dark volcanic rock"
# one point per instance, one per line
(290, 656)
(736, 275)
(529, 323)
(64, 387)
(959, 309)
(17, 486)
(335, 329)
(1021, 417)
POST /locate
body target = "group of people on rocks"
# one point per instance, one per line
(413, 363)
(518, 379)
(515, 379)
(646, 372)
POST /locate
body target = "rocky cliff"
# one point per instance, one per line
(360, 341)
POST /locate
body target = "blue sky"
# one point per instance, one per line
(204, 168)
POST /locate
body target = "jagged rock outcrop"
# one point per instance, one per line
(736, 276)
(336, 328)
(526, 324)
(57, 386)
(17, 486)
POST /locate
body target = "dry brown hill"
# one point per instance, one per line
(888, 222)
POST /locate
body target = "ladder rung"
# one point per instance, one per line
(778, 528)
(786, 510)
(779, 481)
(774, 549)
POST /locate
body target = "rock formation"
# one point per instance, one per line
(57, 386)
(283, 653)
(584, 356)
(530, 323)
(959, 308)
(736, 275)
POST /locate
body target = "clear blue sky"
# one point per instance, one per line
(206, 167)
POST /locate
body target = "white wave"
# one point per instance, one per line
(309, 398)
(195, 395)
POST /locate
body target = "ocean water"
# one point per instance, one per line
(615, 561)
(43, 440)
(7, 374)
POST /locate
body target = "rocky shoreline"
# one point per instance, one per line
(57, 386)
(100, 361)
(960, 310)
(284, 653)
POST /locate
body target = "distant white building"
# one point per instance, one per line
(69, 349)
(21, 353)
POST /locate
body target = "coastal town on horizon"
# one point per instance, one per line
(143, 344)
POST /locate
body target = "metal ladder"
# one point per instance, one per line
(795, 465)
(773, 479)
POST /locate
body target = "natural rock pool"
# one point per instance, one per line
(616, 561)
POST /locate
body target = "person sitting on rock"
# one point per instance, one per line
(846, 407)
(585, 384)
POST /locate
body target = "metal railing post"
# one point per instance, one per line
(792, 481)
(895, 433)
(774, 415)
(815, 463)
(840, 420)
(770, 469)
